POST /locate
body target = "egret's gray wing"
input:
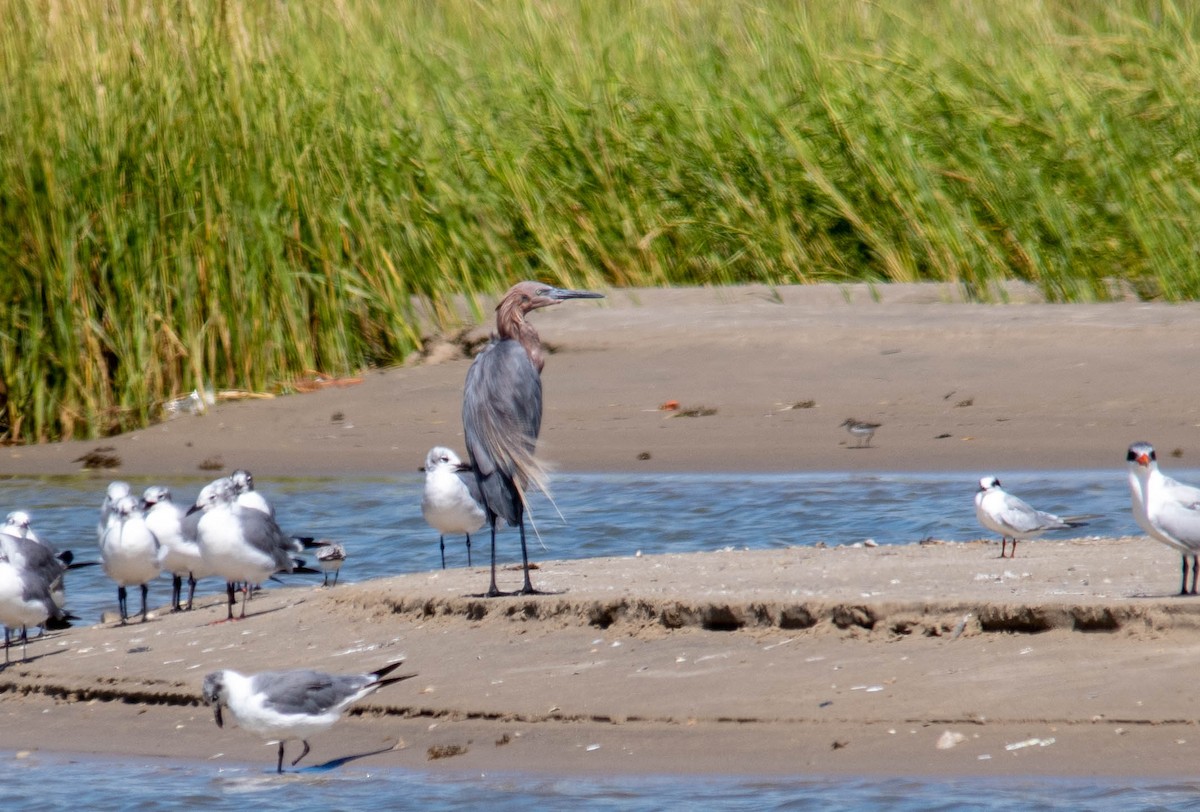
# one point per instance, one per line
(1180, 522)
(468, 479)
(309, 692)
(261, 532)
(502, 415)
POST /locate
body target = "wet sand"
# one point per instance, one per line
(1073, 659)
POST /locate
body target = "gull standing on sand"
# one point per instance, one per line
(240, 544)
(25, 601)
(285, 705)
(860, 430)
(179, 551)
(1014, 518)
(27, 551)
(18, 523)
(452, 502)
(129, 550)
(38, 558)
(116, 491)
(1169, 511)
(502, 412)
(243, 487)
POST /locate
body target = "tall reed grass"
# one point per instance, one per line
(214, 193)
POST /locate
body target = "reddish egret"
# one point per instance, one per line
(1013, 518)
(502, 411)
(1168, 510)
(451, 502)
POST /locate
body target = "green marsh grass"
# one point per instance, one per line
(207, 193)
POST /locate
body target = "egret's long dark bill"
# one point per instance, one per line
(561, 295)
(217, 715)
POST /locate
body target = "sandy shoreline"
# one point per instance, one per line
(768, 662)
(956, 387)
(839, 661)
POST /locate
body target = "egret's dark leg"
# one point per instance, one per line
(6, 645)
(442, 541)
(279, 765)
(176, 592)
(1195, 569)
(145, 592)
(468, 549)
(303, 752)
(492, 590)
(191, 590)
(1003, 545)
(1183, 586)
(528, 588)
(336, 573)
(121, 595)
(1013, 552)
(230, 589)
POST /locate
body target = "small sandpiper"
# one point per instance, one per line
(861, 430)
(330, 557)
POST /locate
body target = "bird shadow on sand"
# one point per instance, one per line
(339, 762)
(32, 658)
(517, 594)
(1161, 596)
(249, 615)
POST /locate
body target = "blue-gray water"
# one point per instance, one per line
(44, 781)
(379, 521)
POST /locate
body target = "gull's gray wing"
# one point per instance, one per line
(308, 692)
(261, 532)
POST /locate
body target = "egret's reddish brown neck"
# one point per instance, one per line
(511, 323)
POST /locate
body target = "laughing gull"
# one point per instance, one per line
(36, 558)
(26, 550)
(116, 491)
(17, 523)
(243, 488)
(1168, 510)
(240, 544)
(25, 601)
(451, 502)
(179, 552)
(1014, 518)
(285, 705)
(129, 550)
(330, 557)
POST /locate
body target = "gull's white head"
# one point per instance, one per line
(18, 519)
(155, 494)
(441, 457)
(988, 483)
